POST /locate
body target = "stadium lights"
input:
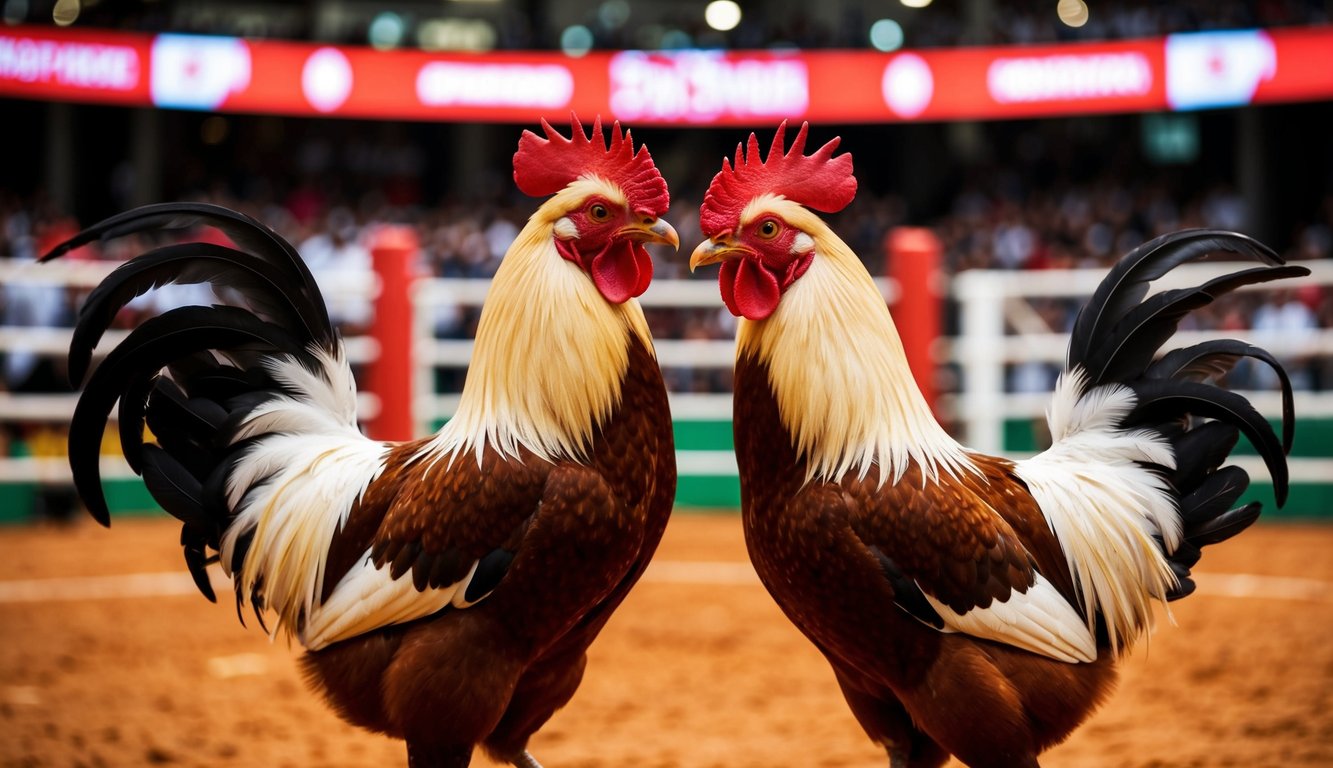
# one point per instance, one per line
(722, 15)
(455, 34)
(886, 35)
(1074, 13)
(576, 41)
(65, 12)
(613, 14)
(15, 11)
(386, 31)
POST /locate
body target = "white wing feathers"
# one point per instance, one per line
(291, 493)
(367, 599)
(1105, 507)
(295, 487)
(1039, 620)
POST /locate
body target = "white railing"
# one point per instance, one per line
(58, 407)
(431, 353)
(989, 301)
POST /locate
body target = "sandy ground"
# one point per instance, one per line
(698, 668)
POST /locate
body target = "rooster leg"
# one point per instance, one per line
(918, 753)
(526, 760)
(547, 685)
(435, 756)
(886, 722)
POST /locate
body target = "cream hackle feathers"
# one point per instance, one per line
(853, 404)
(550, 351)
(546, 370)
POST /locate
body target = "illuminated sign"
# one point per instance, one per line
(908, 85)
(702, 86)
(195, 72)
(1218, 69)
(743, 88)
(326, 79)
(45, 66)
(447, 84)
(77, 65)
(1069, 77)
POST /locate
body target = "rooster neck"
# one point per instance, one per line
(549, 358)
(836, 369)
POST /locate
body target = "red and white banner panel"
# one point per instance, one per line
(228, 74)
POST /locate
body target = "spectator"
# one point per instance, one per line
(1280, 321)
(342, 268)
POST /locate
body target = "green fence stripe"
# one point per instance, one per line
(699, 435)
(1313, 439)
(720, 492)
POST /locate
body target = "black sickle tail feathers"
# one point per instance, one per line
(211, 357)
(1115, 340)
(256, 240)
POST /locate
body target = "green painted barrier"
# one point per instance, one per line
(1313, 440)
(699, 435)
(719, 488)
(16, 502)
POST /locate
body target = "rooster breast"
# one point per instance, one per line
(576, 535)
(877, 576)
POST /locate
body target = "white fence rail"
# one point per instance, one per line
(989, 301)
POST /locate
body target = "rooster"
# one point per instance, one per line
(445, 589)
(969, 605)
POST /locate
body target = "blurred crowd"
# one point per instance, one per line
(330, 197)
(1020, 22)
(995, 221)
(1005, 218)
(624, 24)
(1008, 22)
(1090, 225)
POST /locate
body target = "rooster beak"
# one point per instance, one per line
(714, 252)
(653, 231)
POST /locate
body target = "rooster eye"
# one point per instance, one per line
(598, 212)
(768, 229)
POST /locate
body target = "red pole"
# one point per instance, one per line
(393, 251)
(914, 256)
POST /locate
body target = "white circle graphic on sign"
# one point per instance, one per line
(327, 79)
(908, 85)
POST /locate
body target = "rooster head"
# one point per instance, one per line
(756, 217)
(607, 205)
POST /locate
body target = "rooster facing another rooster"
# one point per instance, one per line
(446, 588)
(969, 605)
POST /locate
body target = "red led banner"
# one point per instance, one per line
(1178, 72)
(74, 65)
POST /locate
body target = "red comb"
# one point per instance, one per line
(820, 181)
(545, 166)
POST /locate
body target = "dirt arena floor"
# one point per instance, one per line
(108, 658)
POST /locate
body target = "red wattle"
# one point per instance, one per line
(748, 289)
(622, 271)
(645, 264)
(726, 283)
